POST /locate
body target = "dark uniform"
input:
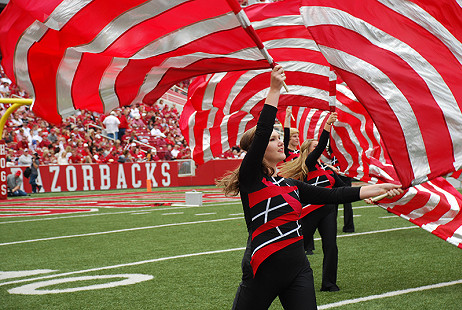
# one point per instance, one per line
(274, 262)
(323, 218)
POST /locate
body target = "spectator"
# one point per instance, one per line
(5, 88)
(23, 143)
(25, 159)
(62, 158)
(14, 183)
(123, 123)
(111, 122)
(34, 173)
(168, 154)
(52, 136)
(11, 159)
(75, 157)
(135, 112)
(156, 132)
(175, 151)
(137, 122)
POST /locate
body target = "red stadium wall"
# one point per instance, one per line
(88, 177)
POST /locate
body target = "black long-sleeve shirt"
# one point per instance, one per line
(290, 154)
(272, 204)
(319, 174)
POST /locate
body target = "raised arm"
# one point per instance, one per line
(251, 164)
(313, 157)
(287, 131)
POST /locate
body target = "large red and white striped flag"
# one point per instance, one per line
(403, 61)
(222, 106)
(435, 206)
(101, 54)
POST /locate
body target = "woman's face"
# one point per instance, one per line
(294, 141)
(275, 150)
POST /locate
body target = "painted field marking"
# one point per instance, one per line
(210, 213)
(354, 215)
(24, 273)
(173, 257)
(389, 217)
(34, 288)
(118, 231)
(173, 213)
(39, 212)
(95, 214)
(372, 232)
(123, 265)
(388, 294)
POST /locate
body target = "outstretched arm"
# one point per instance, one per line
(370, 191)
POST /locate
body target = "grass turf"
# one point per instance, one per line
(194, 256)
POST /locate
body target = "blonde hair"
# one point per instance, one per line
(230, 181)
(296, 169)
(293, 131)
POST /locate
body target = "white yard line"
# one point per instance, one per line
(96, 214)
(118, 231)
(180, 224)
(388, 294)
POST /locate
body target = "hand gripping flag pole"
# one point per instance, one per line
(246, 24)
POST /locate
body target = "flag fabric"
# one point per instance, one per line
(98, 54)
(434, 206)
(403, 61)
(356, 142)
(222, 106)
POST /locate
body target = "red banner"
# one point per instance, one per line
(90, 177)
(69, 178)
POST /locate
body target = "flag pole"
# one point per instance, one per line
(373, 199)
(247, 25)
(332, 89)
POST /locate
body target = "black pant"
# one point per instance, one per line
(325, 220)
(284, 275)
(348, 225)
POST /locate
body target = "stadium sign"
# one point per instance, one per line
(89, 177)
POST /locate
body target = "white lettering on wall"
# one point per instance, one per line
(87, 173)
(71, 178)
(135, 183)
(150, 168)
(121, 182)
(105, 175)
(55, 171)
(165, 168)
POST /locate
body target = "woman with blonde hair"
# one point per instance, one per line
(274, 262)
(291, 138)
(310, 169)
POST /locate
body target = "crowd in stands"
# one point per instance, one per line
(145, 133)
(148, 133)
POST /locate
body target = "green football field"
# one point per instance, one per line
(140, 250)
